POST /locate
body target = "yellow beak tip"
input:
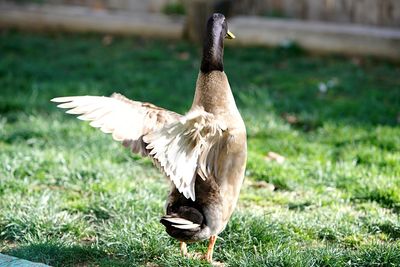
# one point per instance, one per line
(230, 35)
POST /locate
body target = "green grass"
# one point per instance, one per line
(69, 196)
(174, 8)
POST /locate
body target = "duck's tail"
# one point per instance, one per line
(187, 224)
(177, 222)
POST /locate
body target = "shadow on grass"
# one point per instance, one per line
(61, 255)
(390, 229)
(385, 198)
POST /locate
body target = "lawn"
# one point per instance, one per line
(70, 196)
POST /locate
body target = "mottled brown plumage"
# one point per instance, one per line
(203, 153)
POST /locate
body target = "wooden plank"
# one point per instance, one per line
(385, 13)
(318, 36)
(83, 19)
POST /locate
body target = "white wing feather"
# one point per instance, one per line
(123, 120)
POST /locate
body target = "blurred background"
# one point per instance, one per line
(345, 26)
(316, 81)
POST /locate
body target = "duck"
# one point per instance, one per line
(202, 153)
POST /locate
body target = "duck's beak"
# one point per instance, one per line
(230, 35)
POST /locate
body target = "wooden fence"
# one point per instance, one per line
(384, 13)
(367, 12)
(135, 17)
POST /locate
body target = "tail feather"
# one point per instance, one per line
(185, 223)
(186, 226)
(176, 220)
(179, 223)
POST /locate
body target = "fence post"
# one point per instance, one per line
(197, 12)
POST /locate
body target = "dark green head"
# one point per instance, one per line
(213, 50)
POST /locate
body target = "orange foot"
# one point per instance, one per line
(183, 249)
(210, 250)
(208, 256)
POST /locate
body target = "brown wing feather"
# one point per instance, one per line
(154, 119)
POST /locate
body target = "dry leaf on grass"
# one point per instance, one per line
(272, 156)
(107, 40)
(263, 184)
(290, 118)
(183, 56)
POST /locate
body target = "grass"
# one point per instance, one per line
(174, 8)
(72, 197)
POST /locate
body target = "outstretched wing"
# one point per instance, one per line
(128, 121)
(176, 143)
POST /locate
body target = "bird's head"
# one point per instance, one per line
(213, 50)
(217, 27)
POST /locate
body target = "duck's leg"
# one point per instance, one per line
(183, 248)
(210, 250)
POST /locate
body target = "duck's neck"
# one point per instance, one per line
(213, 53)
(214, 94)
